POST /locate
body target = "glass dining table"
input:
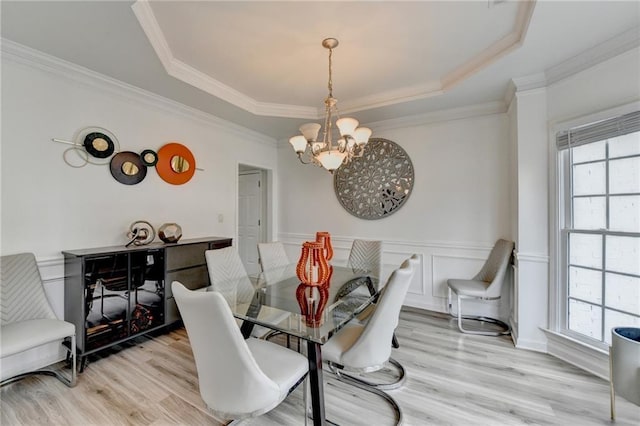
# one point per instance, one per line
(277, 300)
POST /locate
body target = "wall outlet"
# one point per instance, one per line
(220, 218)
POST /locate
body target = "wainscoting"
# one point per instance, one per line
(439, 261)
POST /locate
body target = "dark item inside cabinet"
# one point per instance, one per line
(113, 294)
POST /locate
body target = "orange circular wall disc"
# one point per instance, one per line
(163, 166)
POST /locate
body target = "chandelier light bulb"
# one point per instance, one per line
(332, 159)
(347, 126)
(310, 131)
(299, 143)
(361, 135)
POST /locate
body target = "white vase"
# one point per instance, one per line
(624, 363)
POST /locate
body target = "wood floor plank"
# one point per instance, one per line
(452, 379)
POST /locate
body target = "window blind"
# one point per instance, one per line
(594, 132)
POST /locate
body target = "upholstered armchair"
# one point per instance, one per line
(27, 320)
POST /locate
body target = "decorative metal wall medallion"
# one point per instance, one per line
(377, 184)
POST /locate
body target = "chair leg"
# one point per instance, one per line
(336, 369)
(361, 384)
(506, 328)
(69, 381)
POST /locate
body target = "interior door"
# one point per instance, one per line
(249, 221)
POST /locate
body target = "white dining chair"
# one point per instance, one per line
(237, 378)
(366, 255)
(272, 255)
(224, 266)
(486, 285)
(27, 320)
(364, 347)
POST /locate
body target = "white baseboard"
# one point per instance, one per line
(595, 361)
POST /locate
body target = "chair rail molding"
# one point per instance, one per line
(423, 292)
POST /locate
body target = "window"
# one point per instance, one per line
(600, 227)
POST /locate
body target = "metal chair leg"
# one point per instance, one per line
(337, 370)
(506, 328)
(362, 384)
(69, 381)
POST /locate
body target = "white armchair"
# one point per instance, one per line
(27, 320)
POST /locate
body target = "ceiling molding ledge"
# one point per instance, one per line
(186, 73)
(615, 46)
(478, 110)
(392, 97)
(36, 59)
(497, 50)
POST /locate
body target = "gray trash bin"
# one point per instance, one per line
(624, 365)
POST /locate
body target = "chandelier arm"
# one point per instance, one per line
(300, 154)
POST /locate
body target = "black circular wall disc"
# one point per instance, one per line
(118, 173)
(91, 149)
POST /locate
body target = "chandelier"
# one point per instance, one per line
(325, 152)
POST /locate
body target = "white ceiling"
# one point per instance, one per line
(260, 64)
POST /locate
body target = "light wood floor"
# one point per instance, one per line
(453, 379)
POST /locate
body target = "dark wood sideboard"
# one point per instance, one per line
(113, 294)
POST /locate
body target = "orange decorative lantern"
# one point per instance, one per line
(312, 301)
(325, 238)
(313, 268)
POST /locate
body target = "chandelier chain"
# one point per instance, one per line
(330, 84)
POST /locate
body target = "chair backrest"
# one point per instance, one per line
(366, 255)
(495, 268)
(22, 296)
(373, 347)
(272, 255)
(231, 382)
(227, 274)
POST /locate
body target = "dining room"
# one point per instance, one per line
(435, 129)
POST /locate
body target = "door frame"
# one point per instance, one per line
(267, 188)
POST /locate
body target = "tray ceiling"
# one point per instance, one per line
(260, 64)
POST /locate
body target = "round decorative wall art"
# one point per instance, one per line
(377, 184)
(127, 168)
(176, 164)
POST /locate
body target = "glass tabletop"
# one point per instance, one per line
(276, 299)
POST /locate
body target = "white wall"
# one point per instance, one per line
(48, 206)
(458, 208)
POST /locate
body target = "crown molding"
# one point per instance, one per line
(36, 59)
(489, 108)
(196, 78)
(606, 50)
(613, 47)
(521, 84)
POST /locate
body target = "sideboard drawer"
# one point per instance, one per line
(185, 256)
(192, 278)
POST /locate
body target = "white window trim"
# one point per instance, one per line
(562, 345)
